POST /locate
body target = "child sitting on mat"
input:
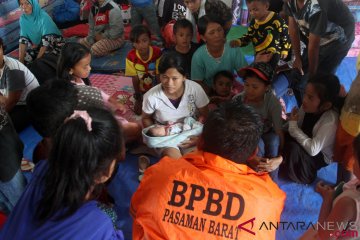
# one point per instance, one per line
(340, 206)
(142, 64)
(74, 66)
(268, 32)
(222, 88)
(106, 29)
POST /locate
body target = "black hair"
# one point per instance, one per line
(232, 131)
(71, 54)
(356, 147)
(183, 23)
(137, 31)
(327, 87)
(223, 73)
(49, 104)
(2, 44)
(171, 60)
(204, 21)
(219, 10)
(262, 1)
(251, 74)
(78, 158)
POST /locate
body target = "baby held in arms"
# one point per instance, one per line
(173, 128)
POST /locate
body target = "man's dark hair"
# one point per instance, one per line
(232, 131)
(49, 105)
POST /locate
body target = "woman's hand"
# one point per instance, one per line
(294, 116)
(189, 142)
(326, 191)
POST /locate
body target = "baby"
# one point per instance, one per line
(173, 128)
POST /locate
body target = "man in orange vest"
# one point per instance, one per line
(211, 193)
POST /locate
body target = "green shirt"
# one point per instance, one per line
(204, 66)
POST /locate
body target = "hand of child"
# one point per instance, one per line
(298, 65)
(269, 165)
(326, 191)
(283, 55)
(254, 162)
(294, 116)
(120, 107)
(235, 43)
(263, 56)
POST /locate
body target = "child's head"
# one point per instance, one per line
(74, 62)
(258, 9)
(83, 157)
(193, 5)
(356, 147)
(223, 82)
(257, 77)
(183, 32)
(49, 105)
(232, 131)
(321, 93)
(157, 131)
(140, 36)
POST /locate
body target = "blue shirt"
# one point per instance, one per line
(88, 222)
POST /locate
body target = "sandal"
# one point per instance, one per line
(144, 163)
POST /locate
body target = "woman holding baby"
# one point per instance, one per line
(173, 100)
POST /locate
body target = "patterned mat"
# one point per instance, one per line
(120, 88)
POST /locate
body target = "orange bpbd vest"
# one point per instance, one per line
(204, 196)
